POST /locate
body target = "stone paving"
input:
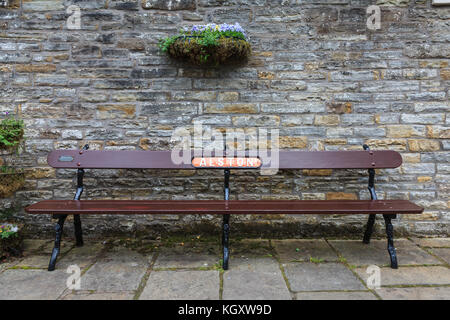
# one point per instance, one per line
(318, 269)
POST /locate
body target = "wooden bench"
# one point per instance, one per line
(87, 159)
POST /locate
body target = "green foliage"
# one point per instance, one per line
(218, 266)
(11, 240)
(164, 44)
(8, 234)
(8, 170)
(11, 132)
(208, 44)
(315, 260)
(8, 231)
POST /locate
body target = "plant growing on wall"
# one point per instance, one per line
(209, 44)
(11, 132)
(11, 238)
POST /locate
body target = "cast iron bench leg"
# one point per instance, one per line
(373, 196)
(390, 236)
(76, 217)
(59, 230)
(78, 230)
(369, 229)
(226, 221)
(225, 240)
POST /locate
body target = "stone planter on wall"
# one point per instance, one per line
(227, 51)
(210, 44)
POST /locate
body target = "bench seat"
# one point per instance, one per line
(224, 207)
(225, 160)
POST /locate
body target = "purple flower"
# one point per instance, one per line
(195, 29)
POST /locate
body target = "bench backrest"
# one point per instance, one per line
(288, 159)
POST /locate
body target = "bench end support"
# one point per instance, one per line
(225, 240)
(76, 217)
(78, 231)
(390, 236)
(226, 222)
(369, 229)
(373, 196)
(59, 230)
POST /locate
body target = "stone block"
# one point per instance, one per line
(359, 254)
(411, 276)
(254, 279)
(304, 250)
(182, 285)
(321, 277)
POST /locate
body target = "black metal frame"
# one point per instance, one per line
(387, 220)
(62, 218)
(226, 221)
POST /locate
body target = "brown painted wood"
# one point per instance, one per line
(340, 159)
(223, 207)
(138, 159)
(114, 159)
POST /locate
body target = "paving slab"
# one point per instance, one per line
(19, 284)
(308, 276)
(443, 253)
(120, 269)
(341, 295)
(182, 285)
(35, 261)
(416, 293)
(188, 256)
(303, 250)
(436, 275)
(5, 265)
(81, 256)
(254, 279)
(86, 295)
(65, 246)
(250, 248)
(31, 246)
(433, 242)
(359, 254)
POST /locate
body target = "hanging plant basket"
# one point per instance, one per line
(11, 180)
(209, 44)
(11, 240)
(11, 132)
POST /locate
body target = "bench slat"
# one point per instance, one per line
(223, 207)
(292, 159)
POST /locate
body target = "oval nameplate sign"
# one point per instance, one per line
(65, 158)
(218, 162)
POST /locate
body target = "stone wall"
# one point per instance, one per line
(317, 74)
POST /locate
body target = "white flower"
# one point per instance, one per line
(12, 227)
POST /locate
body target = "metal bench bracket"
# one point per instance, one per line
(387, 220)
(226, 221)
(76, 221)
(373, 196)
